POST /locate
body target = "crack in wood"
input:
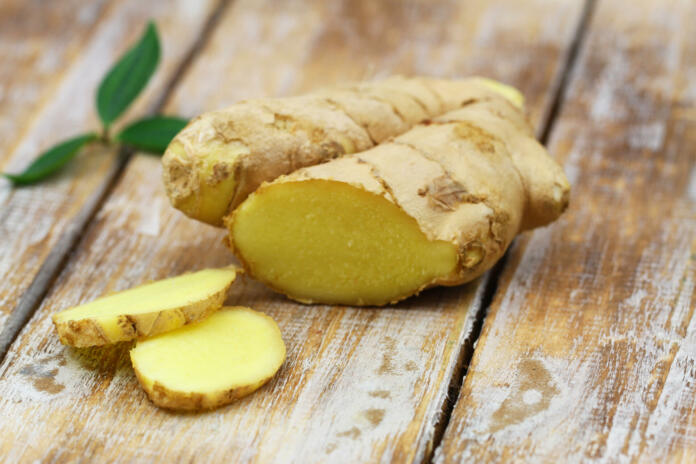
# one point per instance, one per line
(466, 352)
(567, 70)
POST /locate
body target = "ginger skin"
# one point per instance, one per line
(221, 157)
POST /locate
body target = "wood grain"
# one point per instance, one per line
(39, 224)
(359, 384)
(36, 51)
(588, 353)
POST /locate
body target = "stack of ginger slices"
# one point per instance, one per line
(191, 352)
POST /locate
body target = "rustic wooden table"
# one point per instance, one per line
(580, 347)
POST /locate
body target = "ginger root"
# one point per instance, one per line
(211, 363)
(221, 157)
(146, 310)
(437, 205)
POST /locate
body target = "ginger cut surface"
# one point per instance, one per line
(210, 363)
(307, 244)
(438, 205)
(222, 156)
(145, 310)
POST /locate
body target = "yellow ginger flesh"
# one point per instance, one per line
(337, 244)
(210, 363)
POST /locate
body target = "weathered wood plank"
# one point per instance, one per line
(35, 51)
(359, 384)
(588, 351)
(38, 220)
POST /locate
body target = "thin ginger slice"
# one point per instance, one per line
(145, 310)
(211, 363)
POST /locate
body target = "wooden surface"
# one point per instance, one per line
(358, 384)
(586, 351)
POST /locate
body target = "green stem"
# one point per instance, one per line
(104, 137)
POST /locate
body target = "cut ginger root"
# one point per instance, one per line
(210, 363)
(437, 205)
(145, 310)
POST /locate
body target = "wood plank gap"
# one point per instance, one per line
(57, 257)
(493, 277)
(466, 352)
(567, 71)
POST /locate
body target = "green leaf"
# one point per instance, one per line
(128, 77)
(152, 134)
(51, 160)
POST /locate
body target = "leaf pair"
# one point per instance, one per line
(122, 84)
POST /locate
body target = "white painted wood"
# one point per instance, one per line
(587, 354)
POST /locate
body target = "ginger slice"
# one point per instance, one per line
(145, 310)
(211, 363)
